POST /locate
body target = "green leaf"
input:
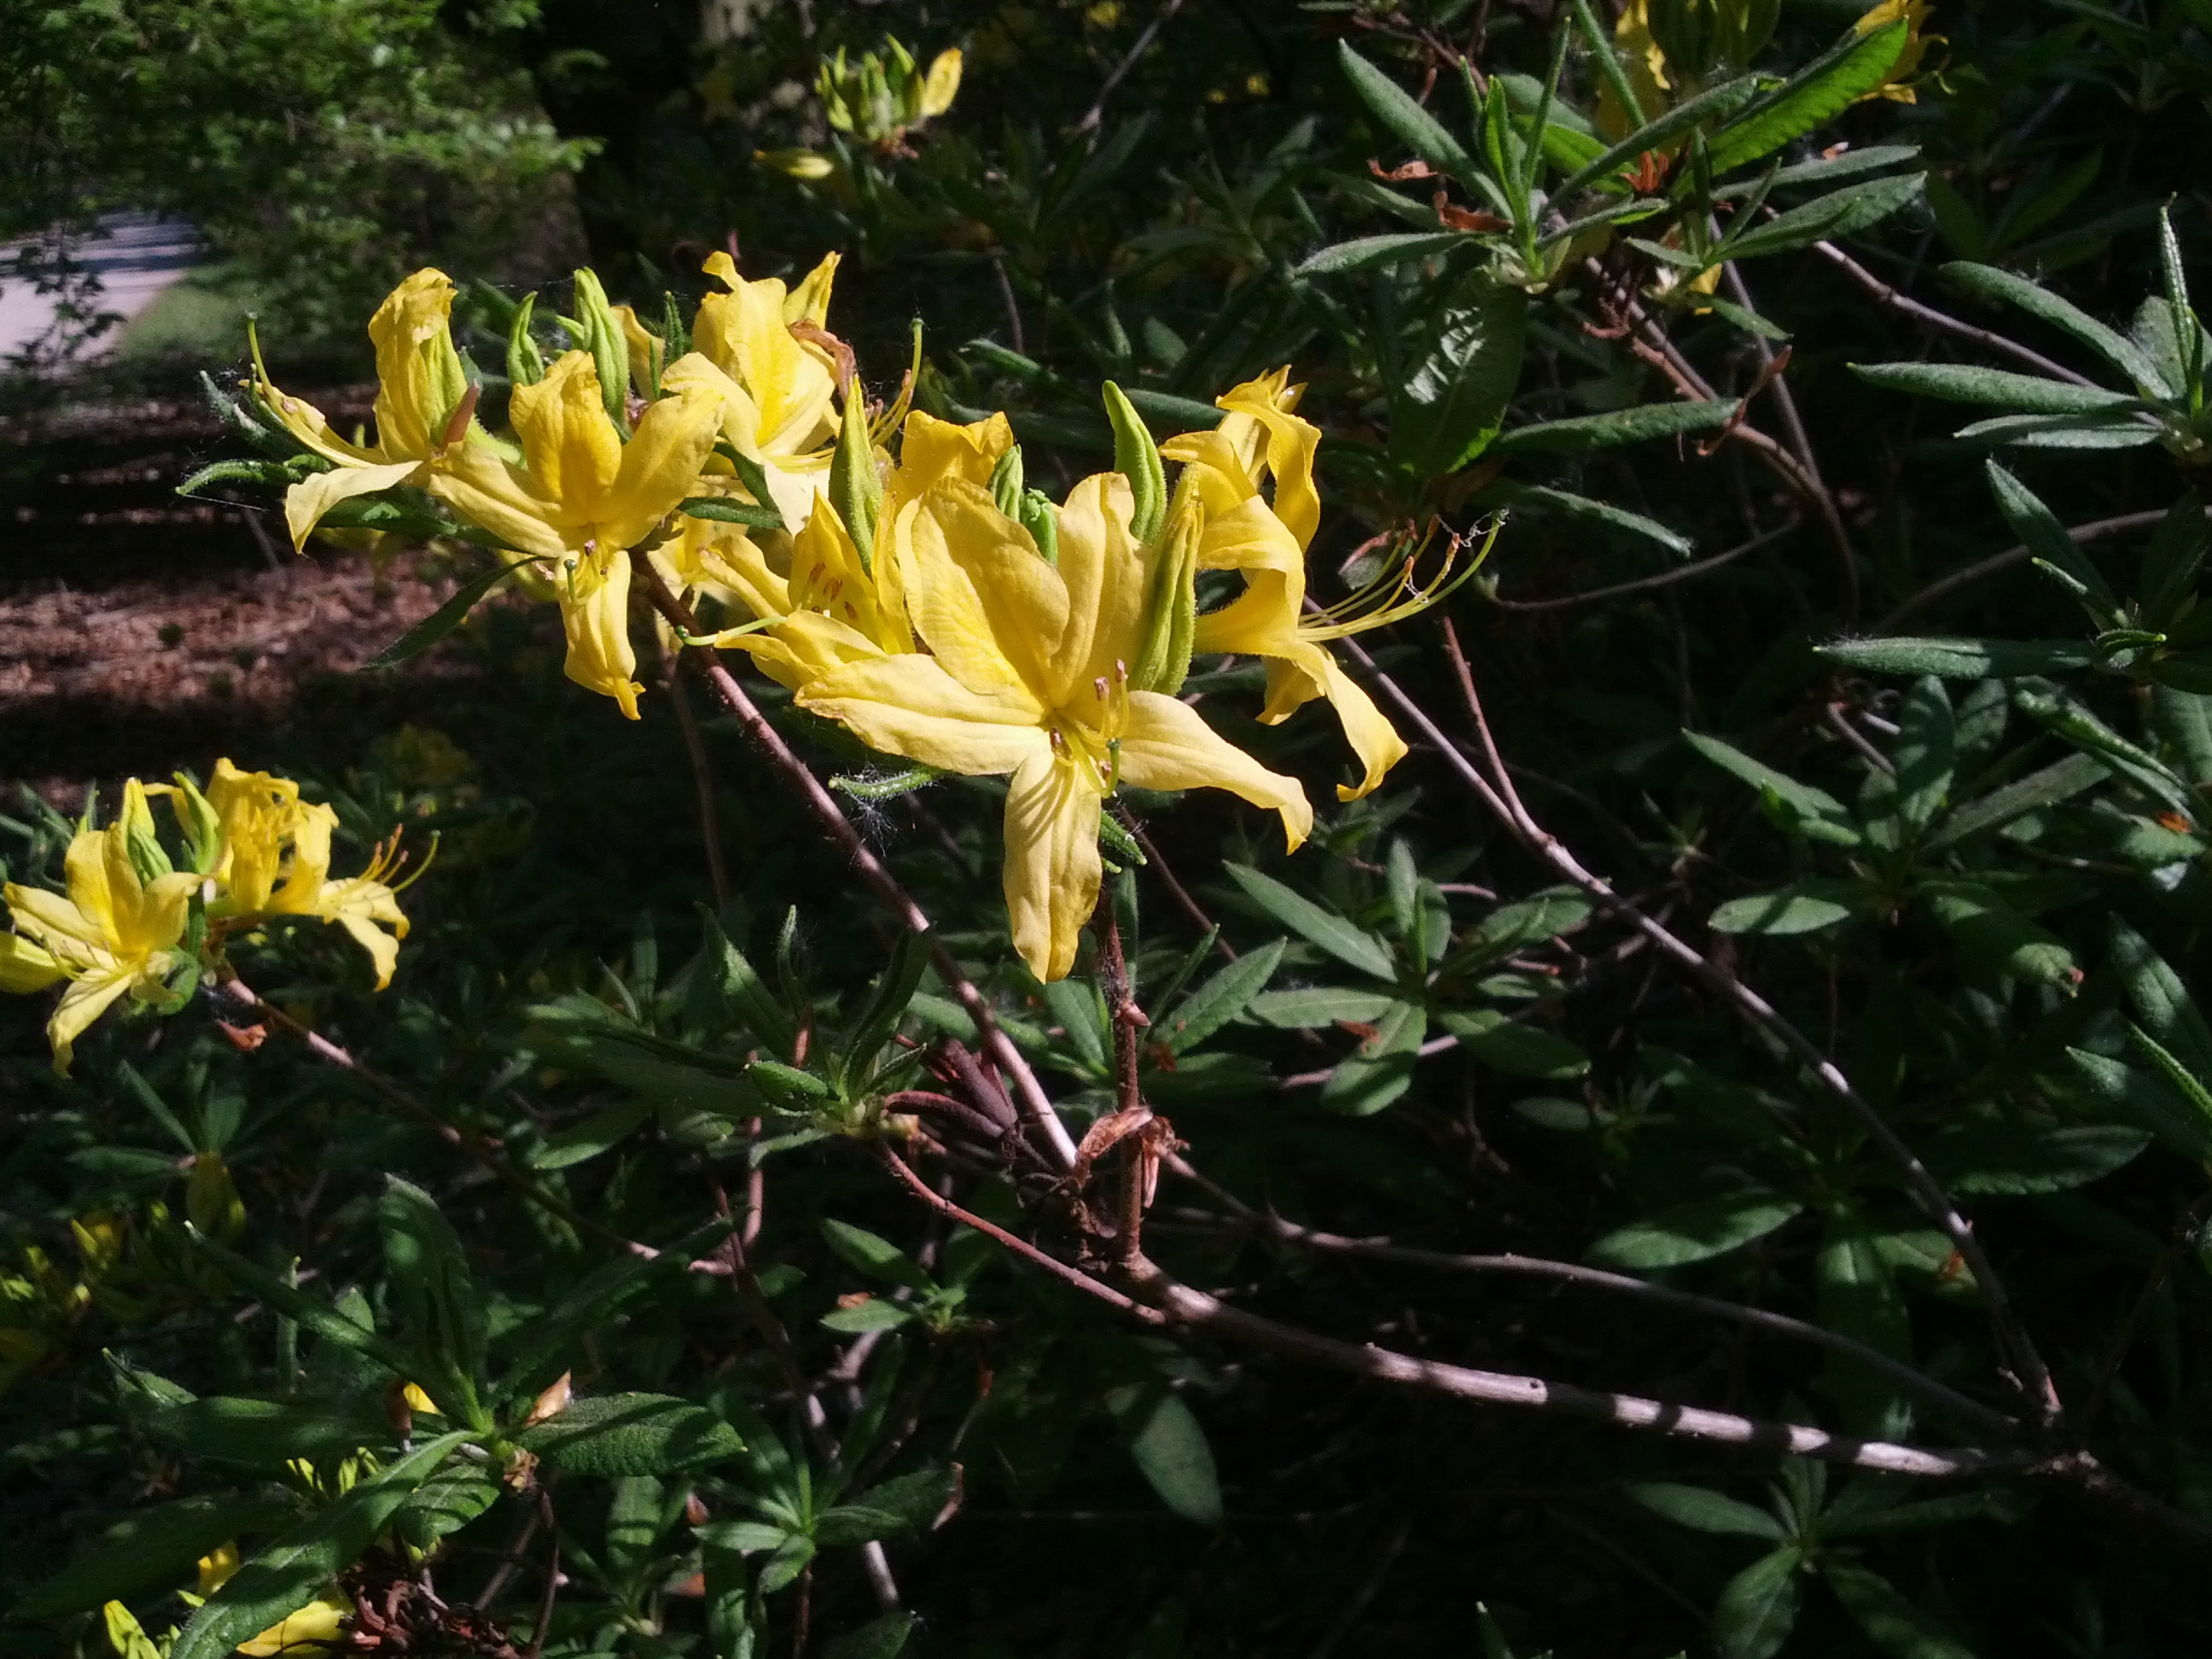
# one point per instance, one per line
(1511, 927)
(154, 1548)
(1824, 171)
(2152, 1100)
(1816, 812)
(1309, 1007)
(1584, 433)
(1515, 1048)
(315, 1316)
(261, 1432)
(874, 1257)
(629, 1434)
(1706, 1511)
(1960, 658)
(2046, 538)
(1413, 126)
(1801, 907)
(1897, 1626)
(1996, 939)
(1362, 252)
(1353, 946)
(1758, 1607)
(722, 509)
(436, 1295)
(581, 1142)
(1718, 104)
(1220, 999)
(1964, 383)
(542, 1345)
(1989, 283)
(907, 1504)
(879, 1638)
(1451, 396)
(2161, 1001)
(446, 1503)
(869, 1314)
(2014, 1157)
(730, 980)
(1696, 1230)
(1169, 1450)
(1382, 1070)
(284, 1576)
(2064, 715)
(2058, 781)
(1840, 213)
(1584, 507)
(781, 1570)
(446, 619)
(1924, 754)
(1817, 94)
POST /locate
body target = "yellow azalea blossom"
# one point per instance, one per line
(582, 498)
(1261, 437)
(314, 1628)
(115, 933)
(1897, 85)
(421, 387)
(786, 413)
(276, 861)
(1027, 675)
(833, 606)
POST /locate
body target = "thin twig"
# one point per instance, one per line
(1035, 1104)
(997, 258)
(1504, 804)
(2185, 1231)
(1883, 294)
(552, 1575)
(702, 783)
(1665, 579)
(1159, 866)
(1393, 1547)
(2096, 530)
(1097, 112)
(1857, 739)
(1903, 1376)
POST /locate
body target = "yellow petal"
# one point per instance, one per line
(305, 422)
(25, 967)
(594, 597)
(1104, 575)
(743, 333)
(987, 604)
(810, 301)
(383, 949)
(217, 1567)
(660, 465)
(306, 501)
(910, 706)
(942, 84)
(828, 577)
(419, 374)
(1290, 442)
(569, 443)
(931, 450)
(1166, 745)
(647, 352)
(314, 1628)
(1372, 738)
(493, 495)
(808, 646)
(1052, 870)
(88, 998)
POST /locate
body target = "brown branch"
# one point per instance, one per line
(1274, 1226)
(1195, 1309)
(1035, 1104)
(2095, 531)
(1665, 579)
(702, 784)
(1883, 294)
(1159, 866)
(1504, 804)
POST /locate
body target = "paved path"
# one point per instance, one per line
(135, 255)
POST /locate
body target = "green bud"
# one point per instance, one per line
(202, 828)
(1007, 482)
(1170, 621)
(855, 489)
(1137, 458)
(524, 366)
(1041, 518)
(148, 856)
(609, 349)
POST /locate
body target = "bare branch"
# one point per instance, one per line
(1883, 294)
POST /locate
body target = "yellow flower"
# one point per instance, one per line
(785, 410)
(1266, 542)
(582, 498)
(276, 861)
(117, 931)
(1027, 674)
(1897, 85)
(421, 387)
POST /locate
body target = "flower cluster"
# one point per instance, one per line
(133, 923)
(893, 568)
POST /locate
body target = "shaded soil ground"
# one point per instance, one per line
(140, 630)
